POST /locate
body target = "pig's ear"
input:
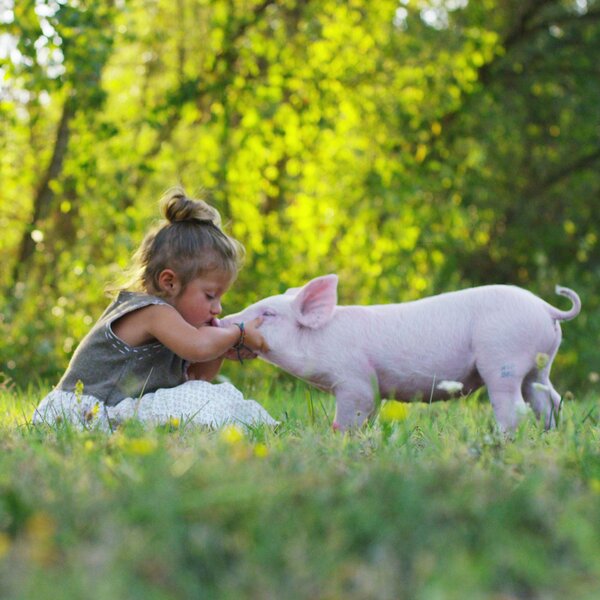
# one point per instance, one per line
(291, 291)
(315, 302)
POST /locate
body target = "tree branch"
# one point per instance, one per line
(564, 20)
(521, 30)
(582, 163)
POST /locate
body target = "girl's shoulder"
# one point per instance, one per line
(128, 317)
(135, 300)
(127, 302)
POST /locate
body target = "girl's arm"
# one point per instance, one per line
(207, 371)
(165, 324)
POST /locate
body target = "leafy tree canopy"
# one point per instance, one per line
(411, 146)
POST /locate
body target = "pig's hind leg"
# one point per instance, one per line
(504, 381)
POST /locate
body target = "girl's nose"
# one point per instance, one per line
(216, 307)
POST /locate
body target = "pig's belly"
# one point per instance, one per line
(414, 386)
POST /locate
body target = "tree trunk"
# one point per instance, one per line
(44, 194)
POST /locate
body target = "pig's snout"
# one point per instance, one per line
(225, 321)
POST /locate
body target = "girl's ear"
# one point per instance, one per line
(169, 283)
(315, 302)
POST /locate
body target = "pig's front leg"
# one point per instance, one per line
(354, 402)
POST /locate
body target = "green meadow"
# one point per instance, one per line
(428, 502)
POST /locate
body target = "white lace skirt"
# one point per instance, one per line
(197, 402)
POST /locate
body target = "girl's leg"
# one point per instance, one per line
(197, 402)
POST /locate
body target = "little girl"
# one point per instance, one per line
(153, 351)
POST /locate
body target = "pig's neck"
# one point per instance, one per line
(321, 355)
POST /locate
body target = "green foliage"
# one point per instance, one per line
(411, 147)
(427, 503)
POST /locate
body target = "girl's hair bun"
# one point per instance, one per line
(189, 241)
(176, 207)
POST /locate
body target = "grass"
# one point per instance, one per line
(429, 504)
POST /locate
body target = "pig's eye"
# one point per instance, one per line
(268, 313)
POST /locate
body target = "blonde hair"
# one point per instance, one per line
(189, 241)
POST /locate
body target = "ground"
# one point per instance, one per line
(424, 502)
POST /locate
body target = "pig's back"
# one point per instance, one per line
(450, 309)
(417, 330)
(418, 327)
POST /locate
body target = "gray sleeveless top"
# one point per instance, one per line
(112, 370)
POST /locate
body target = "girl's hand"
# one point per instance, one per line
(204, 371)
(252, 338)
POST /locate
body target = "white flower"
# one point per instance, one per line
(522, 409)
(452, 387)
(540, 387)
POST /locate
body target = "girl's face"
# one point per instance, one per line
(200, 302)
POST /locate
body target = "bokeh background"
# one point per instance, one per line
(411, 146)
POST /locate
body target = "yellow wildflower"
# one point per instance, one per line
(40, 526)
(232, 435)
(261, 450)
(393, 411)
(93, 412)
(141, 446)
(173, 423)
(79, 390)
(542, 360)
(40, 529)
